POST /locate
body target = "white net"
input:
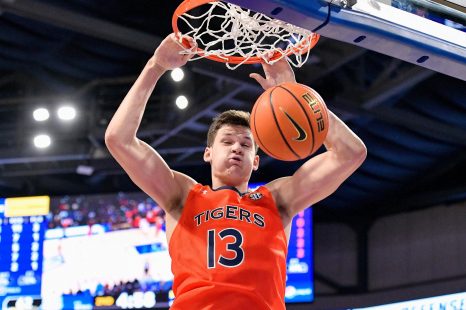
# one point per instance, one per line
(237, 36)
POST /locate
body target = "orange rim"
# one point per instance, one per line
(188, 5)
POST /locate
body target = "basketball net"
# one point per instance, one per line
(242, 36)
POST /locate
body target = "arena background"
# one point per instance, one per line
(393, 231)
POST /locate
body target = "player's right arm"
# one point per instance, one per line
(141, 162)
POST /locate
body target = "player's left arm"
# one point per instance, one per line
(321, 175)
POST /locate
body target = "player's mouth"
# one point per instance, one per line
(235, 160)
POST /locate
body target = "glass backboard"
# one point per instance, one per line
(423, 32)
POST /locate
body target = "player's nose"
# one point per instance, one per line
(237, 148)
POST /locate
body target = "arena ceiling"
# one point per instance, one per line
(89, 52)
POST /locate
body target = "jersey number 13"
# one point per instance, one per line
(234, 246)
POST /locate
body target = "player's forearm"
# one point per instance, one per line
(125, 123)
(344, 142)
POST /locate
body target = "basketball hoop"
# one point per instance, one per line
(234, 35)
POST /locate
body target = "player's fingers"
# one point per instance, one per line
(189, 51)
(263, 56)
(191, 42)
(177, 36)
(184, 41)
(187, 57)
(180, 44)
(261, 80)
(267, 56)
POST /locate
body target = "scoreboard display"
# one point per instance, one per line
(21, 245)
(299, 285)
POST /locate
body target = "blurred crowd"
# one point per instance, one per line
(115, 212)
(160, 288)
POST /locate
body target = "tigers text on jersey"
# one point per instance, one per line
(229, 251)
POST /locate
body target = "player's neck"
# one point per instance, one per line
(242, 187)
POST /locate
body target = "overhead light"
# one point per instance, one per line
(177, 74)
(42, 141)
(85, 170)
(66, 113)
(41, 114)
(182, 102)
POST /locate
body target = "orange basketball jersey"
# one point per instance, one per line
(229, 251)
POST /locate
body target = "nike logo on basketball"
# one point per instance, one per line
(302, 134)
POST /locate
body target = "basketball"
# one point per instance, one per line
(289, 121)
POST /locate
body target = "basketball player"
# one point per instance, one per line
(228, 246)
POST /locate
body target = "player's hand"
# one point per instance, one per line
(275, 74)
(169, 55)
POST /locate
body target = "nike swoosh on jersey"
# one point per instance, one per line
(301, 133)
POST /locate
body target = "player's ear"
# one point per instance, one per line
(207, 154)
(255, 163)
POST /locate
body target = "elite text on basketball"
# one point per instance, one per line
(313, 104)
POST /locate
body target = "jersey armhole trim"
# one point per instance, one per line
(195, 189)
(269, 193)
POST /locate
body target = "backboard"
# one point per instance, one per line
(423, 32)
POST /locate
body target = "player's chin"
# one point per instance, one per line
(234, 170)
(237, 171)
(241, 169)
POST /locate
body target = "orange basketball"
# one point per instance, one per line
(289, 121)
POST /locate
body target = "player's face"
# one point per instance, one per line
(232, 155)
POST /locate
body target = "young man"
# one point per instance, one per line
(228, 246)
